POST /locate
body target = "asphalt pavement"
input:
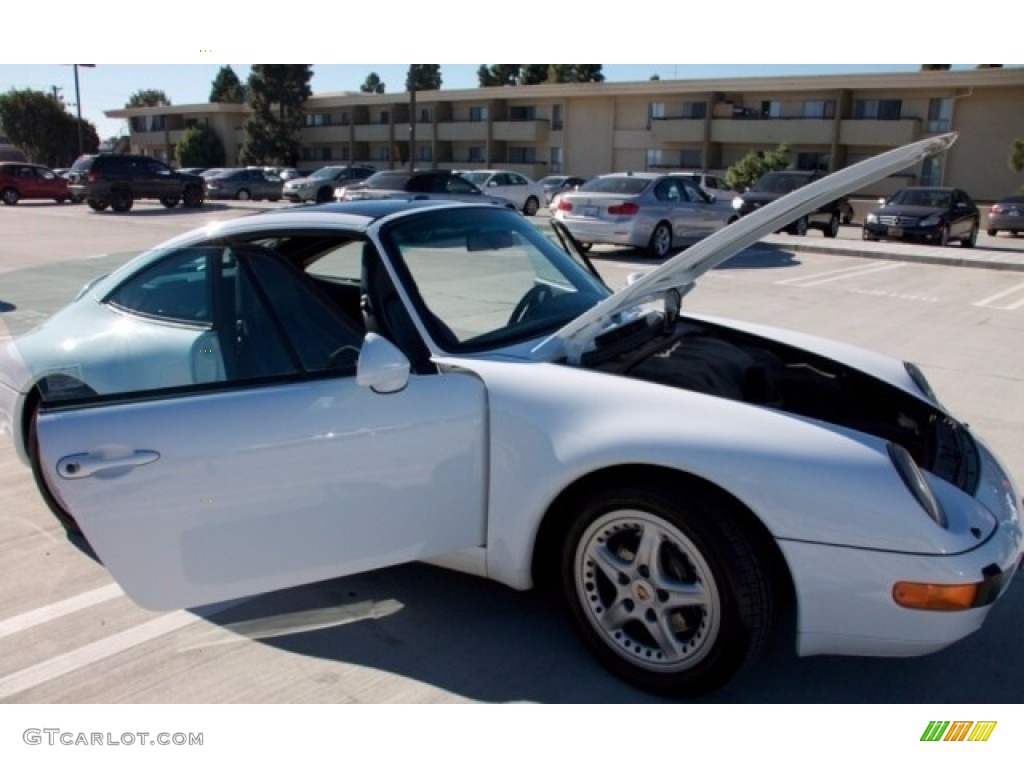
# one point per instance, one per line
(987, 254)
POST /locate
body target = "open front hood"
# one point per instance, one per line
(682, 271)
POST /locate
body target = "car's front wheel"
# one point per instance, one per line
(833, 226)
(971, 239)
(992, 232)
(192, 197)
(944, 235)
(98, 205)
(799, 227)
(661, 241)
(169, 202)
(121, 201)
(243, 194)
(665, 589)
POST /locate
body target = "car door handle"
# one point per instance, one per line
(88, 464)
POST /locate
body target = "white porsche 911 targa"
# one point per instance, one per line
(298, 395)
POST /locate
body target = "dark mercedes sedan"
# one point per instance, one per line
(935, 215)
(1007, 215)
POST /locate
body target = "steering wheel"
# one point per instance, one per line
(534, 297)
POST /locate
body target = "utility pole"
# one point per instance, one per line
(78, 107)
(413, 82)
(55, 90)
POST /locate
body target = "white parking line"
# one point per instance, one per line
(56, 610)
(102, 649)
(806, 281)
(991, 300)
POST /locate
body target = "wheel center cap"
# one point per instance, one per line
(643, 592)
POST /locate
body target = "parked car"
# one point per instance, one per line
(1007, 215)
(209, 173)
(193, 171)
(244, 184)
(654, 211)
(287, 174)
(28, 181)
(522, 191)
(117, 181)
(553, 185)
(419, 185)
(714, 185)
(302, 396)
(936, 215)
(775, 184)
(319, 186)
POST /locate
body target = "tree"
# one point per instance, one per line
(200, 147)
(39, 125)
(498, 74)
(756, 164)
(533, 74)
(227, 88)
(989, 66)
(586, 73)
(423, 77)
(277, 94)
(935, 67)
(148, 97)
(1016, 158)
(373, 84)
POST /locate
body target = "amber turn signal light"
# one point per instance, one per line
(935, 597)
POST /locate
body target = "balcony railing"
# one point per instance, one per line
(880, 133)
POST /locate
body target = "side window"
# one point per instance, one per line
(175, 289)
(666, 191)
(321, 336)
(422, 183)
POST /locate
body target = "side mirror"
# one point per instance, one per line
(382, 367)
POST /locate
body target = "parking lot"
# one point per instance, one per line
(420, 634)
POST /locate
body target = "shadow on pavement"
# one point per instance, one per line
(479, 640)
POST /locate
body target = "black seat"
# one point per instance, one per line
(385, 313)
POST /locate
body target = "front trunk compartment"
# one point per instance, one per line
(723, 362)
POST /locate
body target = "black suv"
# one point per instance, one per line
(117, 181)
(775, 184)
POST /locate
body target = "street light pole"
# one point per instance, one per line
(413, 77)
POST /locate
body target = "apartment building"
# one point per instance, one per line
(828, 121)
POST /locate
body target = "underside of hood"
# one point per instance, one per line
(680, 272)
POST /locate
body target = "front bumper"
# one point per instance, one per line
(914, 233)
(299, 196)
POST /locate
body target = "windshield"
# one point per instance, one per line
(488, 278)
(780, 183)
(324, 173)
(476, 177)
(927, 198)
(617, 185)
(387, 181)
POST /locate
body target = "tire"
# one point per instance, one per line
(98, 205)
(971, 239)
(60, 200)
(944, 236)
(865, 235)
(660, 243)
(10, 196)
(243, 194)
(121, 201)
(799, 227)
(992, 232)
(833, 226)
(169, 202)
(274, 199)
(67, 521)
(664, 589)
(532, 206)
(192, 197)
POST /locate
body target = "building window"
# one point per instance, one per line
(345, 154)
(138, 125)
(191, 122)
(556, 117)
(522, 155)
(425, 116)
(877, 109)
(382, 153)
(315, 120)
(940, 115)
(424, 153)
(345, 118)
(812, 161)
(689, 158)
(820, 109)
(478, 114)
(555, 159)
(655, 158)
(655, 111)
(475, 155)
(385, 117)
(316, 153)
(771, 109)
(931, 171)
(522, 113)
(695, 110)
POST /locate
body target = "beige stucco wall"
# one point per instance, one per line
(978, 161)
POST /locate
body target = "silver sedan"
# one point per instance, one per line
(654, 211)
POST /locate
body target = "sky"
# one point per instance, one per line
(786, 37)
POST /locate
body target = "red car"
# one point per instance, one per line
(31, 182)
